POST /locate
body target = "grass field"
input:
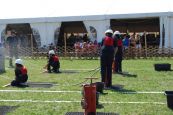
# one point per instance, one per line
(43, 103)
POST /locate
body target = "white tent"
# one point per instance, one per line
(58, 8)
(46, 15)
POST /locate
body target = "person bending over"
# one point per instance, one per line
(53, 62)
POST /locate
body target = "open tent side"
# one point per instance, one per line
(47, 28)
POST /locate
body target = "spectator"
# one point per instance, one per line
(12, 45)
(126, 41)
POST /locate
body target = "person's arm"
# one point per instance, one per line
(50, 59)
(115, 46)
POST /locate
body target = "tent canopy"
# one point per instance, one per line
(11, 9)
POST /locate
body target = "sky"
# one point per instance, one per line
(10, 9)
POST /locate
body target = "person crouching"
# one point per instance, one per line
(53, 62)
(21, 76)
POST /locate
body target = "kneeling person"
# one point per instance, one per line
(20, 73)
(53, 62)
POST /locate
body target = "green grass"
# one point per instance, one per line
(147, 80)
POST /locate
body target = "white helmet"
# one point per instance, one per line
(19, 61)
(116, 33)
(51, 52)
(109, 31)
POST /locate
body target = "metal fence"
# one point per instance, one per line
(129, 53)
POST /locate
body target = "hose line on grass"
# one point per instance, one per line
(96, 71)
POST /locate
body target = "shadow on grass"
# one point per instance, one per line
(70, 71)
(120, 88)
(79, 71)
(34, 85)
(99, 106)
(127, 74)
(6, 109)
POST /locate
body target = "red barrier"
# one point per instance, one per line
(89, 101)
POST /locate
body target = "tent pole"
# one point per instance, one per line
(65, 44)
(32, 46)
(145, 44)
(169, 36)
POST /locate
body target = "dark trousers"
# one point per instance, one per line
(13, 52)
(118, 63)
(19, 80)
(55, 66)
(106, 68)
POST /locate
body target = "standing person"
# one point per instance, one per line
(12, 45)
(126, 41)
(138, 45)
(107, 55)
(53, 62)
(132, 46)
(119, 52)
(20, 73)
(138, 41)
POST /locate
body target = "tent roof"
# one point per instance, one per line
(70, 10)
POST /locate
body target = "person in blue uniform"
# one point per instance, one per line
(118, 52)
(107, 54)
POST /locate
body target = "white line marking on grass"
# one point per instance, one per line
(77, 69)
(49, 91)
(133, 102)
(39, 101)
(40, 91)
(143, 92)
(55, 101)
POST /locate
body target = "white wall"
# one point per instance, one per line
(168, 22)
(51, 27)
(41, 27)
(2, 27)
(46, 31)
(171, 31)
(100, 25)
